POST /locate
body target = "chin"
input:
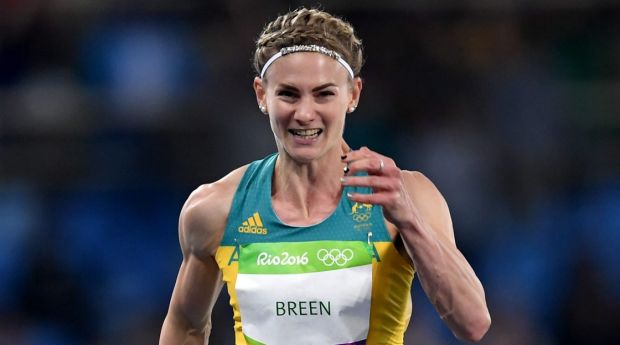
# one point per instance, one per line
(304, 154)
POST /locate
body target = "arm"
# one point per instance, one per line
(445, 275)
(199, 280)
(416, 208)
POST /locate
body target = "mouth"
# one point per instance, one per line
(306, 133)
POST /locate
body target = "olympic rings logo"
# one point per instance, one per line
(335, 256)
(361, 217)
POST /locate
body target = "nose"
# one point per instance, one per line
(305, 111)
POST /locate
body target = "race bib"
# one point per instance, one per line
(305, 292)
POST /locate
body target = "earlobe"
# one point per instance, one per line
(355, 94)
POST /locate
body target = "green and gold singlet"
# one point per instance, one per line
(340, 281)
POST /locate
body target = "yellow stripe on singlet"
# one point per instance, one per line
(229, 275)
(391, 288)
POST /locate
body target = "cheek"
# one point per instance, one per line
(273, 123)
(336, 125)
(277, 124)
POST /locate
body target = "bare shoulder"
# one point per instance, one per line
(429, 201)
(203, 218)
(422, 186)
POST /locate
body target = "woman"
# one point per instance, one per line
(317, 244)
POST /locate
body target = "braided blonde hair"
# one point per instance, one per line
(305, 27)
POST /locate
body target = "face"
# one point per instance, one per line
(307, 96)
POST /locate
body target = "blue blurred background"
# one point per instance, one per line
(112, 112)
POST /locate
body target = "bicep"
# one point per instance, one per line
(431, 204)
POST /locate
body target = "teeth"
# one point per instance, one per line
(305, 132)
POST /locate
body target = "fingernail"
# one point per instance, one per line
(343, 157)
(346, 169)
(343, 180)
(349, 195)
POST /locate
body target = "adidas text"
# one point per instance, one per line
(252, 230)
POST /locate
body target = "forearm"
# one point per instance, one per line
(411, 202)
(176, 332)
(448, 280)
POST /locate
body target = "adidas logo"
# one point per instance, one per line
(254, 225)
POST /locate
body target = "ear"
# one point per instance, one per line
(260, 91)
(356, 91)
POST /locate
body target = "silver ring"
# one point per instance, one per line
(381, 165)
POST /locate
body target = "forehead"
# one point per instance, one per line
(307, 68)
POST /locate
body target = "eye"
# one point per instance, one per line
(286, 93)
(326, 93)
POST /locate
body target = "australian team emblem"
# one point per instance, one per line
(361, 212)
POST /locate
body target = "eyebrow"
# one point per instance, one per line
(320, 87)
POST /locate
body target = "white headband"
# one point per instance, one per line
(307, 48)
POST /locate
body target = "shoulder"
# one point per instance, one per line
(429, 201)
(203, 218)
(423, 187)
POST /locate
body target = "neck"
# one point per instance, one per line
(307, 191)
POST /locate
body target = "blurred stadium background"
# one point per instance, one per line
(112, 112)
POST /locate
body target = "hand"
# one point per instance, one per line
(386, 181)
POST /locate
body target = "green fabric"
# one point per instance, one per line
(304, 257)
(251, 341)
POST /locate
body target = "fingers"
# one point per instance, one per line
(383, 177)
(377, 183)
(385, 199)
(369, 161)
(373, 166)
